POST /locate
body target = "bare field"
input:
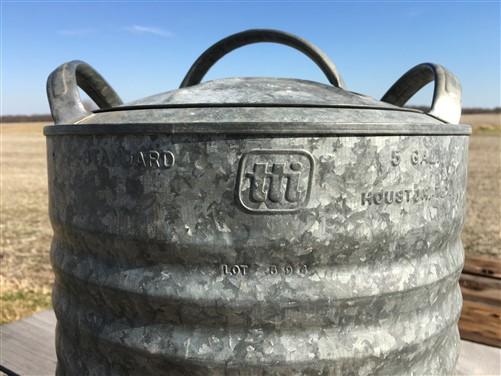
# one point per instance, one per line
(26, 277)
(482, 230)
(483, 123)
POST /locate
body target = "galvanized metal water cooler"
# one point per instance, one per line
(256, 226)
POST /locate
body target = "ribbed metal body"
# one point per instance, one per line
(256, 254)
(256, 226)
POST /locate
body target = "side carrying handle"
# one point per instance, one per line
(205, 61)
(65, 103)
(446, 104)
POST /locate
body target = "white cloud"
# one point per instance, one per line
(138, 29)
(76, 32)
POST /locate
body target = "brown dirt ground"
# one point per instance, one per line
(25, 274)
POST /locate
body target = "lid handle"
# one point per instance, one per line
(65, 103)
(446, 103)
(205, 61)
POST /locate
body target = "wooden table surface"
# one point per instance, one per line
(27, 348)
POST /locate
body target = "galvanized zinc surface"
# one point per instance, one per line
(262, 90)
(214, 254)
(256, 226)
(239, 100)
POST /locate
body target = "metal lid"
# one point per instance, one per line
(246, 105)
(258, 91)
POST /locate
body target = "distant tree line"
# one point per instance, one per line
(480, 110)
(25, 118)
(48, 118)
(467, 110)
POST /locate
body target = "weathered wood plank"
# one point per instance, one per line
(481, 289)
(27, 346)
(483, 266)
(476, 359)
(481, 322)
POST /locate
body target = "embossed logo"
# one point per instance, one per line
(275, 181)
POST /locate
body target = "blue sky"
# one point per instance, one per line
(143, 48)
